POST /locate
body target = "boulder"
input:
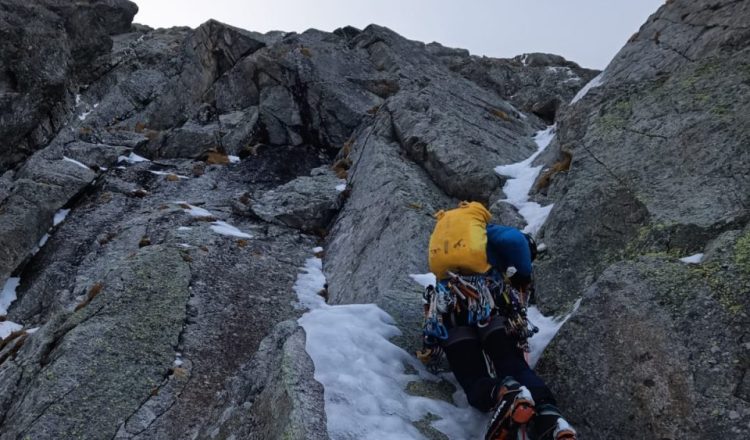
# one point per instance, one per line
(307, 203)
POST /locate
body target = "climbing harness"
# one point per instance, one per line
(473, 300)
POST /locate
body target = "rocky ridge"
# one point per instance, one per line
(168, 288)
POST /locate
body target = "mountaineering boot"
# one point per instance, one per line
(549, 424)
(514, 410)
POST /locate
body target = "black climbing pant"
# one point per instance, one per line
(463, 348)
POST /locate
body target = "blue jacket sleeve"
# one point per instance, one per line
(507, 246)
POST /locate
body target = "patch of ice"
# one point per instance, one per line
(693, 259)
(224, 228)
(363, 374)
(184, 245)
(184, 228)
(84, 115)
(597, 81)
(60, 216)
(8, 294)
(341, 187)
(32, 330)
(424, 279)
(522, 176)
(7, 327)
(548, 328)
(67, 159)
(164, 173)
(234, 159)
(132, 158)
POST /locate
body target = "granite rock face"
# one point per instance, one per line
(201, 167)
(659, 172)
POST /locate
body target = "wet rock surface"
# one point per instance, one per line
(164, 301)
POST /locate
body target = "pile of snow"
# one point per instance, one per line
(234, 159)
(595, 82)
(363, 374)
(341, 186)
(522, 176)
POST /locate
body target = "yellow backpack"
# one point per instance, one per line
(459, 241)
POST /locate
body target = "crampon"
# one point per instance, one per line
(512, 414)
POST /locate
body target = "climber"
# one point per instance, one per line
(476, 316)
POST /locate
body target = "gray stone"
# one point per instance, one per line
(307, 203)
(284, 402)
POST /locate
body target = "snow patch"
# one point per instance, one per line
(84, 115)
(341, 187)
(193, 210)
(224, 228)
(132, 158)
(67, 159)
(597, 81)
(317, 249)
(693, 259)
(7, 327)
(8, 294)
(60, 216)
(424, 279)
(164, 173)
(362, 372)
(522, 176)
(184, 228)
(548, 328)
(234, 159)
(43, 241)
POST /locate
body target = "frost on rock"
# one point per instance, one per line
(363, 374)
(521, 178)
(595, 82)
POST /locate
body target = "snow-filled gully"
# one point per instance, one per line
(362, 372)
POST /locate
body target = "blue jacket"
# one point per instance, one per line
(507, 246)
